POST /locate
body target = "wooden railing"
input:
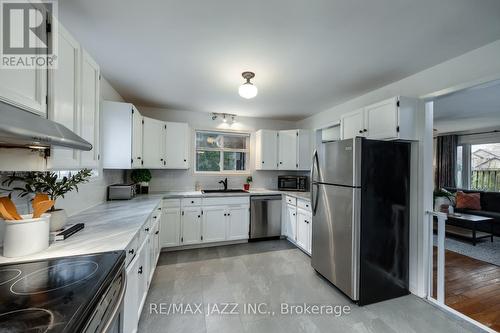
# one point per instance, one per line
(486, 180)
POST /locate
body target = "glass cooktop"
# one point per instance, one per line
(54, 295)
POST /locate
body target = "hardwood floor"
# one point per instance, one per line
(472, 287)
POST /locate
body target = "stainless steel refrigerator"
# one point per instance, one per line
(360, 193)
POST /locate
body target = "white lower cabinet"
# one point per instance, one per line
(170, 230)
(297, 225)
(304, 229)
(214, 224)
(238, 222)
(191, 225)
(130, 317)
(291, 222)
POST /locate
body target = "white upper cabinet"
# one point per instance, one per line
(266, 152)
(64, 102)
(121, 136)
(176, 145)
(287, 142)
(136, 133)
(153, 137)
(353, 124)
(25, 88)
(391, 119)
(283, 150)
(89, 129)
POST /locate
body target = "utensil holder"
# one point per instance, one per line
(26, 236)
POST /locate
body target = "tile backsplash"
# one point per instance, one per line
(185, 180)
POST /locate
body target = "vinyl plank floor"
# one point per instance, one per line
(232, 283)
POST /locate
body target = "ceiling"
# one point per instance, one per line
(470, 109)
(307, 55)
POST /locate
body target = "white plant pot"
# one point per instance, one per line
(58, 219)
(440, 201)
(26, 236)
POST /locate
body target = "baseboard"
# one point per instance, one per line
(203, 245)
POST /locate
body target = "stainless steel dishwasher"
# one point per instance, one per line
(265, 216)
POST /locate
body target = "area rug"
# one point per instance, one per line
(484, 250)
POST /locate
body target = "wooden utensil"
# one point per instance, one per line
(41, 207)
(38, 198)
(4, 213)
(10, 207)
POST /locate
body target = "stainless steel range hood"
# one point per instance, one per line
(19, 128)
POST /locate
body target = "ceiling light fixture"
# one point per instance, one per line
(226, 117)
(248, 89)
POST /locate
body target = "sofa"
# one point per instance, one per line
(490, 207)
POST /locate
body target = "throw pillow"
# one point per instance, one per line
(468, 200)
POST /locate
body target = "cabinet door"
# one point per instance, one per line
(177, 146)
(64, 105)
(291, 216)
(304, 230)
(304, 154)
(137, 121)
(130, 301)
(288, 150)
(191, 226)
(152, 152)
(170, 230)
(266, 150)
(89, 127)
(238, 222)
(352, 124)
(214, 224)
(25, 88)
(142, 276)
(382, 119)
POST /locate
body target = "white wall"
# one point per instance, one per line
(475, 67)
(174, 180)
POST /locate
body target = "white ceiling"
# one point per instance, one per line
(307, 55)
(470, 109)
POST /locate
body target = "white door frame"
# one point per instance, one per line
(424, 240)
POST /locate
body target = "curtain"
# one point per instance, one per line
(446, 161)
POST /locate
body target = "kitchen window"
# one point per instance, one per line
(221, 152)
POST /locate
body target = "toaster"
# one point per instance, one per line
(121, 191)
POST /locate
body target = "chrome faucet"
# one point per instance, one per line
(224, 182)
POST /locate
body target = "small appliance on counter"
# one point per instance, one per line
(64, 295)
(121, 191)
(293, 183)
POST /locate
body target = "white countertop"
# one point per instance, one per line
(112, 225)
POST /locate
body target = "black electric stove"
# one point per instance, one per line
(55, 295)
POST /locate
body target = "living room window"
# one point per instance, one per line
(478, 166)
(221, 152)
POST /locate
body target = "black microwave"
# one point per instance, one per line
(292, 183)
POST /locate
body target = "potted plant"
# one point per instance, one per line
(443, 197)
(141, 177)
(246, 186)
(27, 183)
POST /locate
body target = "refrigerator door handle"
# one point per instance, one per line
(315, 162)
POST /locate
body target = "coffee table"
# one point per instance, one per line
(469, 221)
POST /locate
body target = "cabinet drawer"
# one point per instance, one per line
(290, 200)
(191, 202)
(171, 203)
(304, 204)
(131, 250)
(226, 201)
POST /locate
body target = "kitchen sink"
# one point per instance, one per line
(224, 191)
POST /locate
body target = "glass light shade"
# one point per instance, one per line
(247, 90)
